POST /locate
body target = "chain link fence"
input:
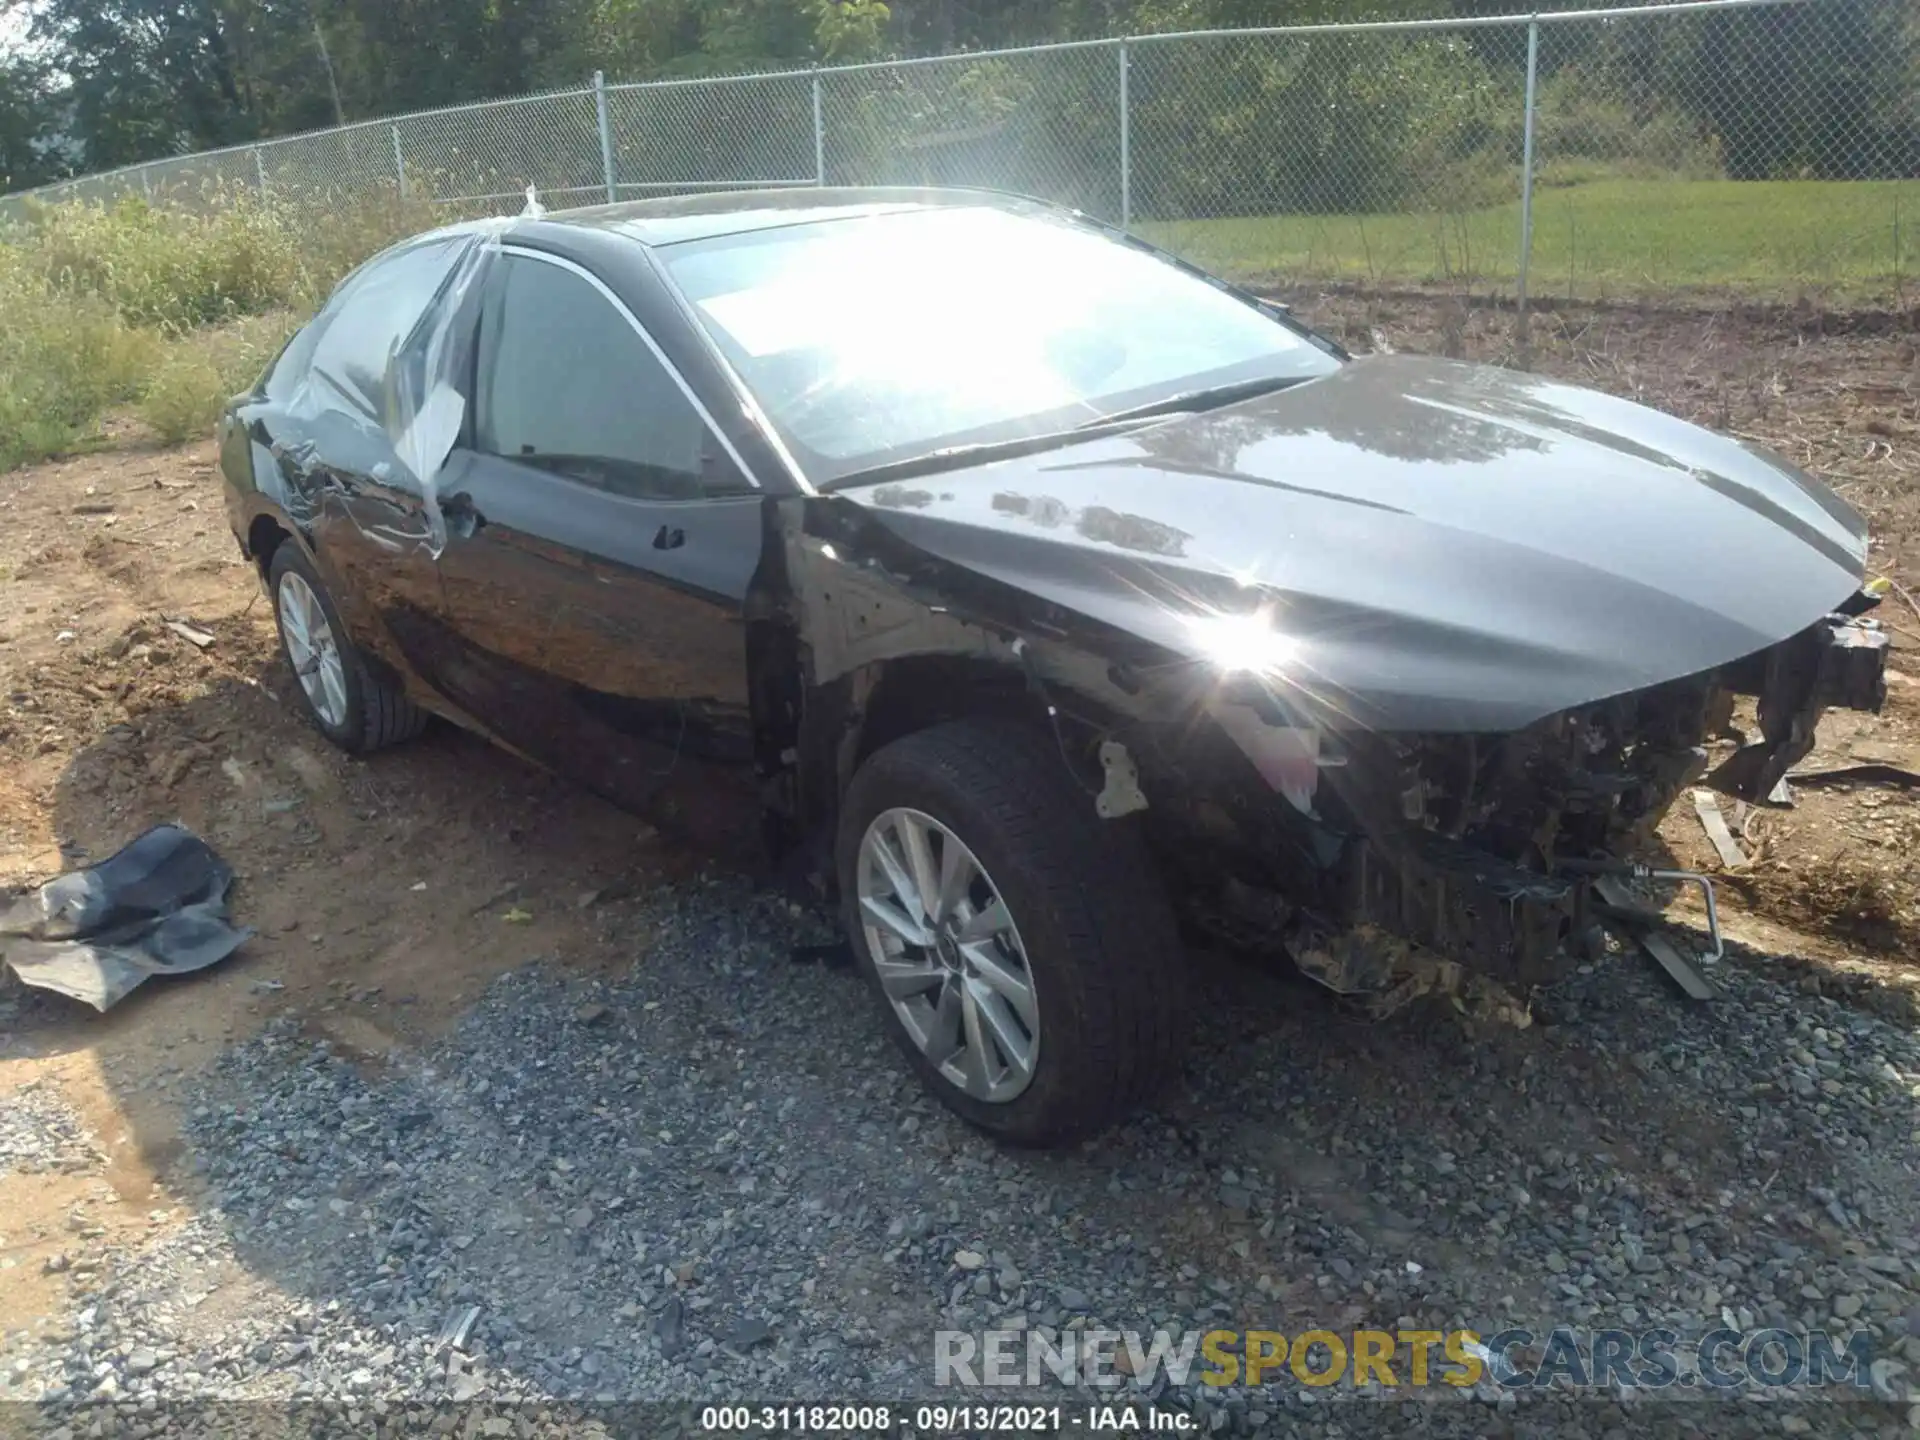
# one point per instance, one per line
(1766, 148)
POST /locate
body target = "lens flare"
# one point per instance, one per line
(1244, 644)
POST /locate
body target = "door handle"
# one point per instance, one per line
(669, 538)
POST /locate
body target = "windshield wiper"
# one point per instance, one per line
(957, 456)
(1210, 397)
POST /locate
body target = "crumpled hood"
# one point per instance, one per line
(1452, 547)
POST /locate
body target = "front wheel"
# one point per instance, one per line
(1023, 948)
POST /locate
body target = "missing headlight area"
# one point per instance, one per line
(1401, 865)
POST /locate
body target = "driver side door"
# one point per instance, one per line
(602, 538)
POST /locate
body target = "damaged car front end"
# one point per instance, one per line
(1403, 723)
(1437, 857)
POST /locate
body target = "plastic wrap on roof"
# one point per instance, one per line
(412, 414)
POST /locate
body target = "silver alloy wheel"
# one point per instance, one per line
(948, 955)
(312, 649)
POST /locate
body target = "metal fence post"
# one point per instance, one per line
(146, 185)
(606, 133)
(399, 165)
(819, 135)
(1126, 146)
(260, 170)
(1526, 175)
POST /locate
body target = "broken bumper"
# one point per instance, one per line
(1838, 664)
(1572, 800)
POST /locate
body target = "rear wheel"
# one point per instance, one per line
(346, 701)
(1023, 949)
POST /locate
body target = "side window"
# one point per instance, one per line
(565, 383)
(372, 313)
(289, 367)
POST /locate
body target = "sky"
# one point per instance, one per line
(13, 27)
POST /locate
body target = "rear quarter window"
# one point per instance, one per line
(373, 310)
(289, 367)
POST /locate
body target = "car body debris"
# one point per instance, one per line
(1681, 971)
(191, 633)
(457, 1326)
(1644, 929)
(156, 907)
(1718, 831)
(1867, 773)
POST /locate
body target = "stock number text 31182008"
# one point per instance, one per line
(885, 1419)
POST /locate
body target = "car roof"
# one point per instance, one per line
(673, 219)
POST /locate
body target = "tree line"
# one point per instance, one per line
(1827, 87)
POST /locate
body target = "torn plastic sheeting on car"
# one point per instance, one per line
(156, 907)
(420, 407)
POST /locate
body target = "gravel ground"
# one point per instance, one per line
(39, 1131)
(712, 1179)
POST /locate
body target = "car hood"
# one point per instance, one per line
(1448, 546)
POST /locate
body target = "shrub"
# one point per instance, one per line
(198, 373)
(1588, 120)
(332, 239)
(175, 309)
(1320, 127)
(170, 268)
(64, 359)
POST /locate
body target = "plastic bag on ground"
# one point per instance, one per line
(156, 907)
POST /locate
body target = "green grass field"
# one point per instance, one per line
(1855, 241)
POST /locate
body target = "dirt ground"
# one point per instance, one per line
(388, 893)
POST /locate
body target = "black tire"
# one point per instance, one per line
(377, 713)
(1102, 946)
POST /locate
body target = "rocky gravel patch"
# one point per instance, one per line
(712, 1179)
(39, 1133)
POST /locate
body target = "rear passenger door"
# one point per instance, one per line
(358, 502)
(602, 538)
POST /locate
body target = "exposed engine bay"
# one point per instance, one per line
(1410, 862)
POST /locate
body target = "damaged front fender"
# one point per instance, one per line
(862, 604)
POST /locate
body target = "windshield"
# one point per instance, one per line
(874, 340)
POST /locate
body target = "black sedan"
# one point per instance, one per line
(1069, 602)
